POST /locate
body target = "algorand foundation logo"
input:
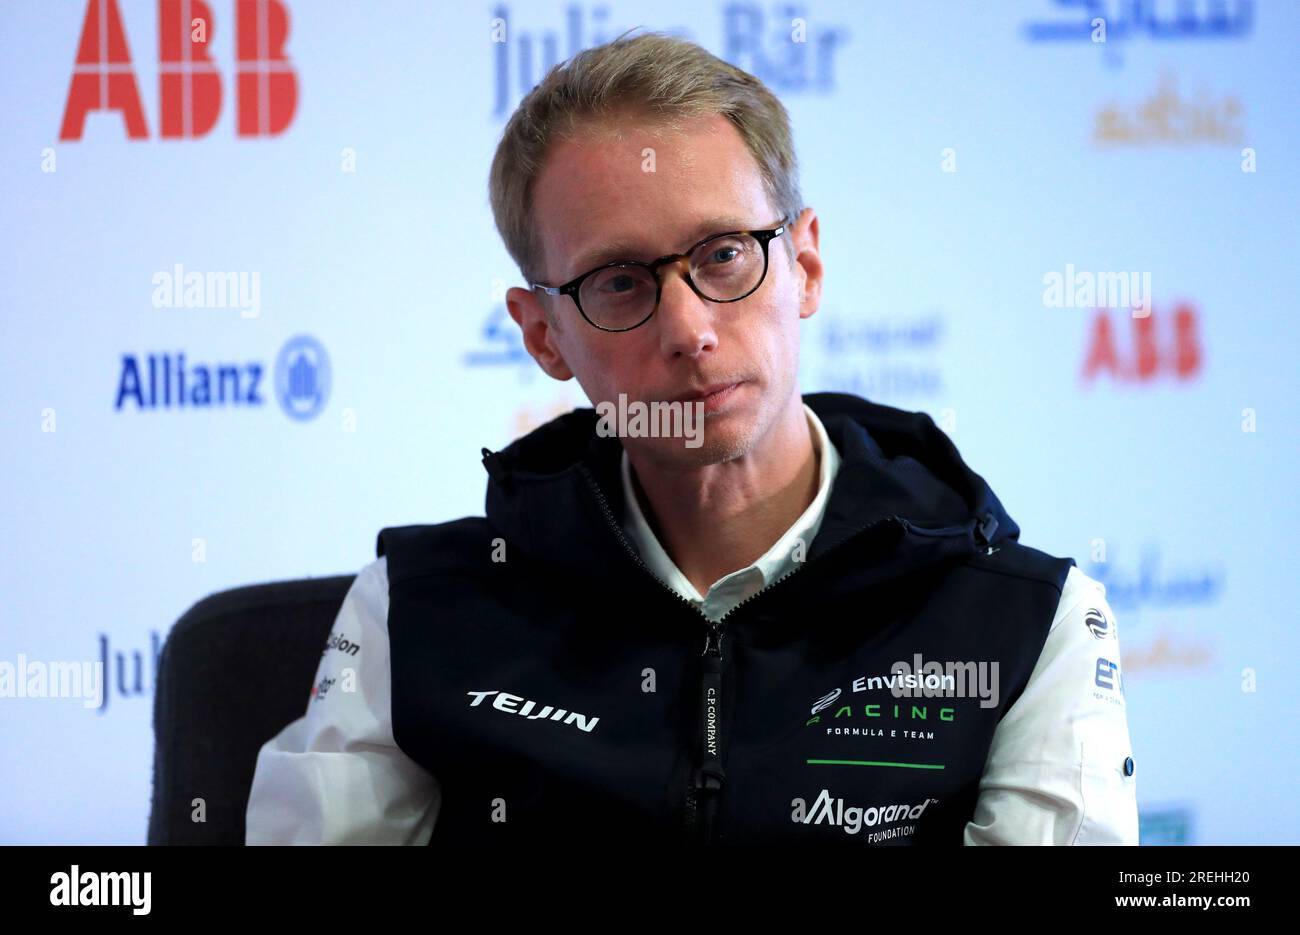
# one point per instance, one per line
(854, 819)
(637, 419)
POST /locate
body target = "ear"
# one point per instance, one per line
(804, 238)
(525, 307)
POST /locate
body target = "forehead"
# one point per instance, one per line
(637, 190)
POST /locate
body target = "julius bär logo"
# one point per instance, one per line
(189, 85)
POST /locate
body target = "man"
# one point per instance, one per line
(809, 623)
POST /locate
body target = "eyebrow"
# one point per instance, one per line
(629, 250)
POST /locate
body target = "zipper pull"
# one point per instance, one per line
(710, 776)
(713, 640)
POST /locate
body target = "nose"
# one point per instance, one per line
(685, 320)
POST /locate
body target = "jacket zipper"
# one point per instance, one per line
(712, 687)
(705, 784)
(703, 792)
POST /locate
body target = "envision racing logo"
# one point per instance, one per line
(341, 643)
(920, 679)
(825, 701)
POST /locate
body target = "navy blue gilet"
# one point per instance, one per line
(559, 692)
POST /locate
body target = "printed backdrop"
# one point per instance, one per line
(253, 312)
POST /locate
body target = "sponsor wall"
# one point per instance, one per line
(252, 313)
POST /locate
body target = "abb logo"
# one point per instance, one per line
(266, 85)
(1180, 355)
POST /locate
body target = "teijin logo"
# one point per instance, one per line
(677, 419)
(102, 889)
(510, 704)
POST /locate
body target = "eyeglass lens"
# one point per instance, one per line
(723, 269)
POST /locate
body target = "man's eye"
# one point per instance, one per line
(613, 284)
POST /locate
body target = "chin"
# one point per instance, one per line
(722, 439)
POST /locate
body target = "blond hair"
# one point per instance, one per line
(657, 77)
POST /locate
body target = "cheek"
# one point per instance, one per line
(604, 369)
(775, 346)
(781, 318)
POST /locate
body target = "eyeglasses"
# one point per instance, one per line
(623, 295)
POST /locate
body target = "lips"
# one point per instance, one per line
(705, 391)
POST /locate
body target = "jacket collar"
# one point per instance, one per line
(556, 492)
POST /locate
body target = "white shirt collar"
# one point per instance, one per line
(780, 559)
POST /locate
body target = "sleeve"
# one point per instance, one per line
(1060, 768)
(335, 775)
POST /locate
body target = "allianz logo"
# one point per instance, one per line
(299, 381)
(853, 818)
(515, 704)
